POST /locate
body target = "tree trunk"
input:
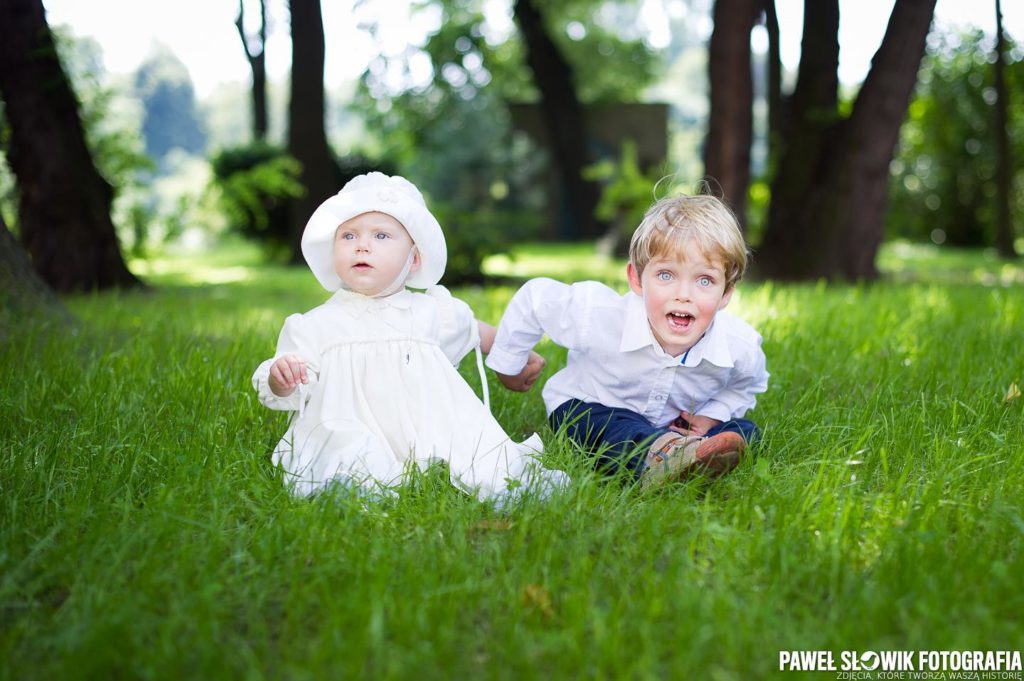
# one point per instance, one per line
(64, 206)
(258, 65)
(563, 116)
(730, 119)
(830, 190)
(23, 295)
(1004, 226)
(776, 103)
(307, 140)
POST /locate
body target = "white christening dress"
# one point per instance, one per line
(384, 393)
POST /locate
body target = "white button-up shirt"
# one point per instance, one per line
(615, 360)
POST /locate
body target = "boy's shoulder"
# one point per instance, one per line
(590, 293)
(737, 330)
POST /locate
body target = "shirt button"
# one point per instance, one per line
(659, 397)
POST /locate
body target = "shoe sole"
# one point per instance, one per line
(719, 454)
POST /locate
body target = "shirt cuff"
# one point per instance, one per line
(716, 410)
(505, 362)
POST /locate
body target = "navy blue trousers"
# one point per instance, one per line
(619, 438)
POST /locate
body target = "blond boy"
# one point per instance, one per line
(658, 380)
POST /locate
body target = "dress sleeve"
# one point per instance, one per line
(459, 332)
(295, 339)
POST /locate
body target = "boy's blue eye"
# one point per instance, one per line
(665, 276)
(705, 281)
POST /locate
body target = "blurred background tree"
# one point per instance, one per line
(170, 118)
(64, 203)
(443, 109)
(943, 181)
(829, 186)
(255, 46)
(452, 133)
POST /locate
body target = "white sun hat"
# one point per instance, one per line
(375, 193)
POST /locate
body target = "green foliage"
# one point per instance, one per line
(943, 177)
(253, 184)
(474, 235)
(758, 196)
(609, 64)
(626, 194)
(111, 132)
(111, 126)
(146, 534)
(455, 143)
(452, 135)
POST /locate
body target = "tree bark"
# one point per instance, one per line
(23, 295)
(730, 119)
(563, 116)
(829, 194)
(776, 103)
(1004, 226)
(64, 206)
(258, 66)
(307, 139)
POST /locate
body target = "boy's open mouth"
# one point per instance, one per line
(679, 321)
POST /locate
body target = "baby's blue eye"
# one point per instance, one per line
(381, 236)
(348, 236)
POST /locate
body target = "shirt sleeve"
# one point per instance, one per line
(295, 339)
(749, 378)
(459, 331)
(540, 306)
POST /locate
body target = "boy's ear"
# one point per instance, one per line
(726, 297)
(634, 280)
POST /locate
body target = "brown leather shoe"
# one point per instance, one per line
(670, 458)
(719, 454)
(674, 457)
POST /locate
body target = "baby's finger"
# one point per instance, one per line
(288, 373)
(298, 368)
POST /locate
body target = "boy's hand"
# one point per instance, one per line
(688, 424)
(525, 379)
(286, 373)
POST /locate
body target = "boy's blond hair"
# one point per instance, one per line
(673, 221)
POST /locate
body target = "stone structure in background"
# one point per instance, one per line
(608, 127)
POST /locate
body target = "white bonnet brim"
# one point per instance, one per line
(380, 193)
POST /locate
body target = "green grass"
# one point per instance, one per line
(144, 533)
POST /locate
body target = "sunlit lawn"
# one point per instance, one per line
(144, 533)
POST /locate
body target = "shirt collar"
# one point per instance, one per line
(713, 346)
(637, 334)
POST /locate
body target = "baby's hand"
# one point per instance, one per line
(689, 424)
(525, 379)
(286, 373)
